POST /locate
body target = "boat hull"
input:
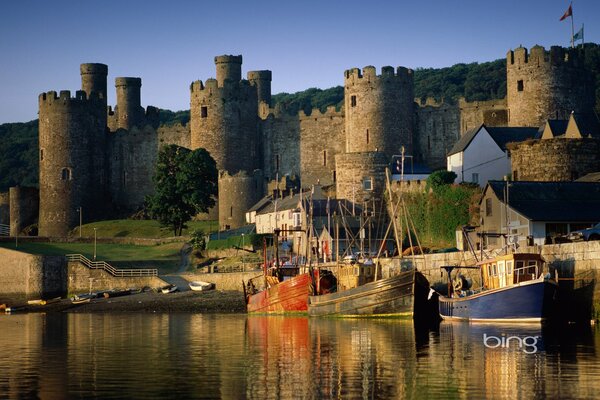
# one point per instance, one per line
(526, 302)
(289, 296)
(394, 296)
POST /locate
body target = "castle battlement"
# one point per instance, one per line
(538, 56)
(369, 74)
(316, 113)
(264, 75)
(128, 81)
(64, 98)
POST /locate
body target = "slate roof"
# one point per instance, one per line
(500, 135)
(552, 201)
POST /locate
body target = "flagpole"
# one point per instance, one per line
(572, 29)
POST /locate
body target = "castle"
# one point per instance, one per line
(99, 161)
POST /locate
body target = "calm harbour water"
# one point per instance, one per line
(162, 356)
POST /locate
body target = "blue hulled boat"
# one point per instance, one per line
(514, 289)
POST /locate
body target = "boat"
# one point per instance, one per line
(116, 293)
(84, 296)
(40, 302)
(81, 301)
(200, 286)
(514, 289)
(169, 289)
(405, 295)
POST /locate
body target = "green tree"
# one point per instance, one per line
(186, 184)
(438, 179)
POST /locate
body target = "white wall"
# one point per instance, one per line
(482, 156)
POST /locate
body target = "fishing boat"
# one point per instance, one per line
(81, 301)
(405, 295)
(200, 286)
(514, 289)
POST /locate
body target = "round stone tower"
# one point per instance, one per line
(69, 133)
(93, 79)
(224, 118)
(228, 68)
(237, 194)
(379, 110)
(129, 108)
(360, 176)
(262, 81)
(543, 85)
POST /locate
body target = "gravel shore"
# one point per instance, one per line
(213, 301)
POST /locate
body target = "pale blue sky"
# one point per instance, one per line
(305, 43)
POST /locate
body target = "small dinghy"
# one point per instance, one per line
(169, 289)
(81, 301)
(200, 286)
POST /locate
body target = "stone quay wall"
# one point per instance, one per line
(79, 277)
(26, 276)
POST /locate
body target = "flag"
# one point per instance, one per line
(568, 13)
(578, 35)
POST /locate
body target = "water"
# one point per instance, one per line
(160, 356)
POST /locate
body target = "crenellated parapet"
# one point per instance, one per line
(229, 68)
(330, 112)
(261, 80)
(354, 76)
(546, 84)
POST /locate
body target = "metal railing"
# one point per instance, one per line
(133, 272)
(4, 230)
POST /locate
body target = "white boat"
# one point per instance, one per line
(169, 289)
(200, 286)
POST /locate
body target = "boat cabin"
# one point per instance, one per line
(510, 269)
(354, 275)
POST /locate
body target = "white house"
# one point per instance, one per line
(480, 155)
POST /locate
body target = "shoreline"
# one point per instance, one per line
(213, 301)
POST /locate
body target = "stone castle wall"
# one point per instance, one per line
(132, 154)
(281, 139)
(237, 194)
(4, 208)
(490, 113)
(174, 134)
(352, 171)
(437, 129)
(322, 136)
(557, 159)
(24, 208)
(546, 84)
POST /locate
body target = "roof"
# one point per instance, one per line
(591, 177)
(266, 205)
(552, 201)
(500, 135)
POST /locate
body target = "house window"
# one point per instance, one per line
(475, 178)
(353, 101)
(65, 174)
(488, 207)
(325, 157)
(520, 85)
(368, 184)
(203, 112)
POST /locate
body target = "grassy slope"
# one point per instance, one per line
(138, 228)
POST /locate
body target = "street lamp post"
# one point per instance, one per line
(243, 265)
(80, 211)
(95, 244)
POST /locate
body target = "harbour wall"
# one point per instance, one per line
(224, 280)
(26, 276)
(82, 278)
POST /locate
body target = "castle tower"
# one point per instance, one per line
(70, 174)
(546, 84)
(93, 79)
(228, 68)
(262, 81)
(224, 117)
(129, 109)
(237, 194)
(379, 110)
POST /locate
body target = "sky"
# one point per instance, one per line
(305, 43)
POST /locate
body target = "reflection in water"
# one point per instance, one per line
(237, 356)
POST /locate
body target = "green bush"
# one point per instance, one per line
(236, 241)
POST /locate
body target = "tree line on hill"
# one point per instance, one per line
(474, 81)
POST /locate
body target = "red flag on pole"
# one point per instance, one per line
(567, 13)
